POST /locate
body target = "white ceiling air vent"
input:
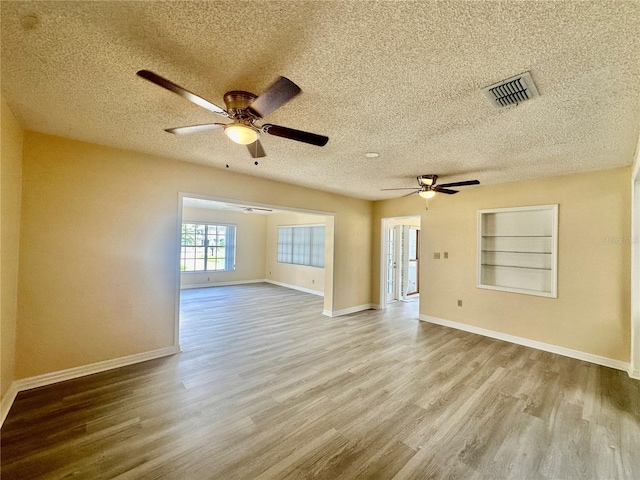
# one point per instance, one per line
(511, 91)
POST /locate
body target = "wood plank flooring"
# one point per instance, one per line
(268, 388)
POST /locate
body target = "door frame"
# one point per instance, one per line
(385, 223)
(329, 259)
(634, 363)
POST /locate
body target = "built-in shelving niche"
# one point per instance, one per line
(518, 250)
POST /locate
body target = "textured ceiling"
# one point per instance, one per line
(399, 78)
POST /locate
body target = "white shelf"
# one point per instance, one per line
(517, 250)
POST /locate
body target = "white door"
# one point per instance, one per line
(413, 261)
(399, 265)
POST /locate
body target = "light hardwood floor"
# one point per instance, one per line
(268, 388)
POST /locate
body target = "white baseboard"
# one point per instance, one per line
(77, 372)
(547, 347)
(7, 401)
(220, 284)
(295, 287)
(243, 282)
(347, 311)
(634, 373)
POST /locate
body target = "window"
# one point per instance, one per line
(206, 247)
(301, 245)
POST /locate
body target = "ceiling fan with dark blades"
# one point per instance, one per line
(244, 109)
(427, 186)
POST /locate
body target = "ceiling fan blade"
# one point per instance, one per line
(445, 190)
(297, 135)
(256, 150)
(172, 87)
(194, 128)
(403, 188)
(460, 184)
(409, 194)
(279, 93)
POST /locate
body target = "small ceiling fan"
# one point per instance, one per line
(253, 209)
(427, 186)
(244, 109)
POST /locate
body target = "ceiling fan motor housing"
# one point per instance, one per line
(428, 180)
(237, 102)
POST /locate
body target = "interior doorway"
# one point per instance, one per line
(400, 260)
(223, 242)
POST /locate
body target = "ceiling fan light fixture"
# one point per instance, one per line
(427, 193)
(241, 133)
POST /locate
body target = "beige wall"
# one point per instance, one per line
(411, 221)
(312, 278)
(99, 244)
(98, 247)
(11, 140)
(250, 246)
(591, 313)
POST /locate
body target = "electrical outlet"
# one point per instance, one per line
(459, 303)
(436, 256)
(313, 281)
(446, 254)
(208, 279)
